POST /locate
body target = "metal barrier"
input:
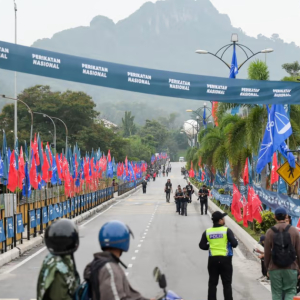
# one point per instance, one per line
(37, 216)
(127, 186)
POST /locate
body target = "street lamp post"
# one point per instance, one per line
(197, 112)
(234, 39)
(31, 126)
(194, 137)
(66, 132)
(16, 103)
(54, 136)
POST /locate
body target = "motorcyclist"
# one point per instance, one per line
(58, 278)
(105, 273)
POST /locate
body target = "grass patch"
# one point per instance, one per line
(256, 235)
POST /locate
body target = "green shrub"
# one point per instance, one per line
(268, 221)
(221, 191)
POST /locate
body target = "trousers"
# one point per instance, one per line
(220, 266)
(144, 189)
(184, 208)
(283, 281)
(178, 206)
(203, 203)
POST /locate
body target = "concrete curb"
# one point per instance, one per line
(28, 245)
(238, 231)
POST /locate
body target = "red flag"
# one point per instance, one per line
(275, 166)
(32, 174)
(236, 204)
(245, 212)
(214, 112)
(246, 172)
(45, 168)
(200, 162)
(12, 173)
(126, 161)
(250, 215)
(21, 171)
(298, 224)
(256, 207)
(108, 156)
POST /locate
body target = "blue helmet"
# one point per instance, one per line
(115, 234)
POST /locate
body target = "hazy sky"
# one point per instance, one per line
(42, 18)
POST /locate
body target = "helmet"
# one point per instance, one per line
(115, 234)
(61, 237)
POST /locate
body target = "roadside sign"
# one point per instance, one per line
(289, 174)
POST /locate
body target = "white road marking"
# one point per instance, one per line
(133, 258)
(141, 241)
(126, 273)
(139, 245)
(136, 251)
(130, 265)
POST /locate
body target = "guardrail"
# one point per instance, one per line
(125, 187)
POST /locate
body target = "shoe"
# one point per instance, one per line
(261, 277)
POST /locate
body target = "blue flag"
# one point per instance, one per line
(234, 69)
(266, 149)
(204, 117)
(282, 126)
(54, 178)
(287, 155)
(281, 183)
(26, 191)
(5, 158)
(1, 167)
(110, 172)
(17, 154)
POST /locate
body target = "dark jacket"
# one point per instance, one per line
(204, 245)
(113, 283)
(269, 245)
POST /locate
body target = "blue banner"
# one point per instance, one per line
(61, 210)
(149, 81)
(56, 211)
(82, 200)
(52, 215)
(38, 216)
(68, 207)
(45, 214)
(76, 202)
(10, 227)
(224, 199)
(73, 204)
(65, 208)
(2, 232)
(32, 219)
(20, 225)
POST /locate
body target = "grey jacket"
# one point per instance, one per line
(113, 283)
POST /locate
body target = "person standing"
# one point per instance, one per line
(154, 176)
(184, 202)
(219, 240)
(282, 257)
(190, 191)
(203, 194)
(144, 184)
(178, 197)
(58, 278)
(168, 190)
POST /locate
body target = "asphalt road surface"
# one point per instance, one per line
(162, 238)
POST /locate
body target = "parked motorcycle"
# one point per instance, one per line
(162, 282)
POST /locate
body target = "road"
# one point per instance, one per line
(162, 238)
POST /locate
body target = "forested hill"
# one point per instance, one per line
(162, 35)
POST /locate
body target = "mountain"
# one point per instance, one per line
(162, 35)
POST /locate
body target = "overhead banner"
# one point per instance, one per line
(142, 80)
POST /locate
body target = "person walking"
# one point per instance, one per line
(154, 176)
(58, 278)
(144, 184)
(190, 191)
(282, 257)
(219, 240)
(184, 202)
(178, 197)
(168, 190)
(203, 194)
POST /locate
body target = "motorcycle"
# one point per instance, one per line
(162, 282)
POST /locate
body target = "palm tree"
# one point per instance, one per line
(128, 125)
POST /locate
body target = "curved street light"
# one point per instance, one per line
(31, 127)
(234, 40)
(66, 131)
(45, 115)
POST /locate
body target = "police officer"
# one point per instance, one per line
(219, 240)
(58, 278)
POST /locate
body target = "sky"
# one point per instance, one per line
(42, 18)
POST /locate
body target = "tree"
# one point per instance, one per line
(258, 70)
(128, 125)
(292, 68)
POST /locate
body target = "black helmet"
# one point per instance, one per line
(62, 237)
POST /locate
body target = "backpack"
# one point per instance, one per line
(85, 289)
(283, 252)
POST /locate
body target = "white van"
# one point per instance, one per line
(181, 159)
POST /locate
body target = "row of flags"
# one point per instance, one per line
(71, 169)
(159, 156)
